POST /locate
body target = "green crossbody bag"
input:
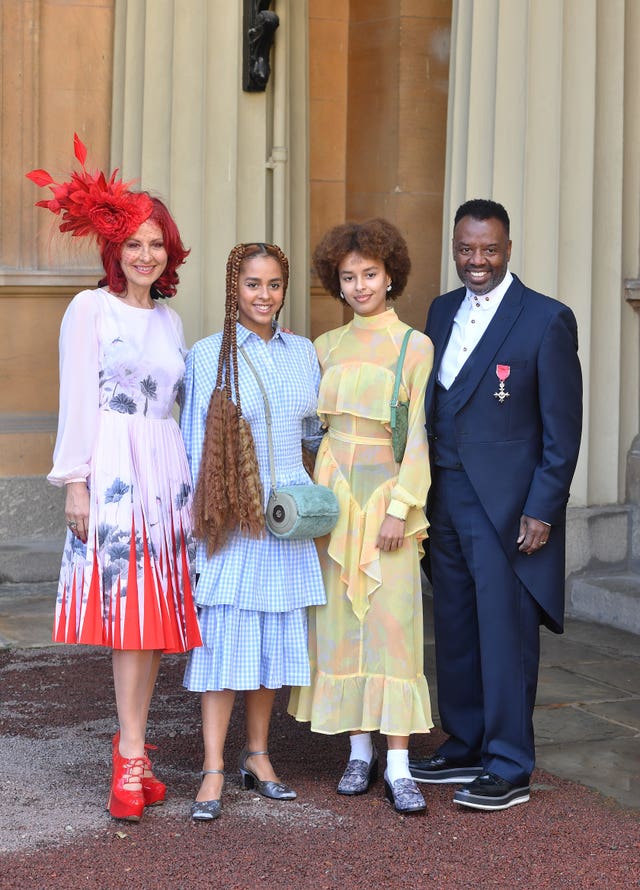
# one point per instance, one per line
(399, 410)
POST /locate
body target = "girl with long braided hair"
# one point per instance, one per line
(253, 588)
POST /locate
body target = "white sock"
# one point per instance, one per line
(361, 747)
(397, 765)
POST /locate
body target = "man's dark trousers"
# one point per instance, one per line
(480, 600)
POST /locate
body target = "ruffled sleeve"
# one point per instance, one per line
(178, 328)
(360, 388)
(414, 477)
(79, 390)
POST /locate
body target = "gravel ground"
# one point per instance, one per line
(56, 720)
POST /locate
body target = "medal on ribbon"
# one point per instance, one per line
(502, 373)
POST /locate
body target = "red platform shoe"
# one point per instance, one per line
(153, 789)
(126, 803)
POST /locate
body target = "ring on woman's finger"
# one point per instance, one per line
(72, 524)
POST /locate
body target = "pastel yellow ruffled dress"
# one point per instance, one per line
(366, 643)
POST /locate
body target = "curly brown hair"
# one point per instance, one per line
(375, 239)
(229, 492)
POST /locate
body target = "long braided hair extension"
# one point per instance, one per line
(229, 492)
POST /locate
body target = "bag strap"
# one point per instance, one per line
(396, 386)
(267, 411)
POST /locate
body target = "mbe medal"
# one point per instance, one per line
(502, 372)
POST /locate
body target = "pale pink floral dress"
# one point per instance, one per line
(130, 586)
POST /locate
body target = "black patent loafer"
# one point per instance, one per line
(490, 792)
(439, 769)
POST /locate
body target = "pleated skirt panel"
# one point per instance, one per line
(131, 585)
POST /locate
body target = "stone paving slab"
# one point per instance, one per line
(599, 641)
(622, 673)
(558, 685)
(559, 725)
(558, 649)
(613, 769)
(626, 712)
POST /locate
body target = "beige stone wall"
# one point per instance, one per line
(156, 90)
(541, 110)
(56, 68)
(328, 76)
(231, 165)
(56, 79)
(379, 74)
(29, 324)
(397, 120)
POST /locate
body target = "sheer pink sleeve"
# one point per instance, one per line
(79, 390)
(177, 325)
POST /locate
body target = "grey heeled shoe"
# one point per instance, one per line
(207, 810)
(273, 790)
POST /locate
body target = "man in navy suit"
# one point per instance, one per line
(504, 413)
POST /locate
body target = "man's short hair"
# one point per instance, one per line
(482, 208)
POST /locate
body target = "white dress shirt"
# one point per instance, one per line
(469, 324)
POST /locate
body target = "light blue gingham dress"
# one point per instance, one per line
(252, 594)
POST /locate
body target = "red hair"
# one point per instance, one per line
(167, 284)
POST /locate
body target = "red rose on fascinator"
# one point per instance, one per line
(92, 205)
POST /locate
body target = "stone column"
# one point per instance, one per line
(632, 489)
(543, 111)
(47, 94)
(184, 126)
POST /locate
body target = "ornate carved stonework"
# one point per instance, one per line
(259, 27)
(632, 292)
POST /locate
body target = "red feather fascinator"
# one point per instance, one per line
(91, 204)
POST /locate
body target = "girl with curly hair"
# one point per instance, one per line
(253, 589)
(366, 645)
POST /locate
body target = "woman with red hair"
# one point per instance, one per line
(127, 568)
